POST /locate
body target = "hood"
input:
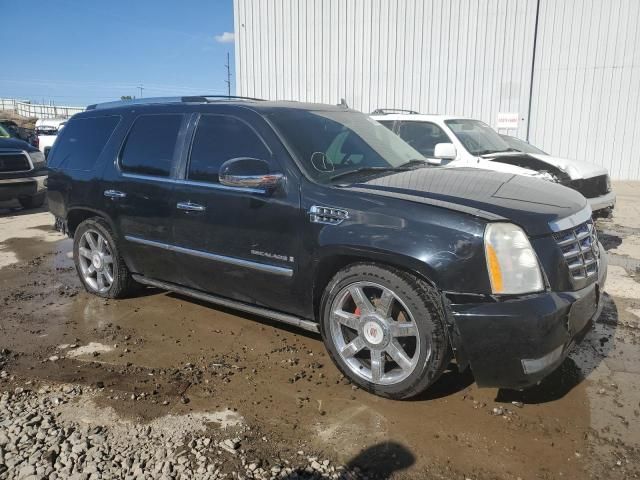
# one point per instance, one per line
(15, 144)
(574, 168)
(517, 162)
(500, 163)
(528, 202)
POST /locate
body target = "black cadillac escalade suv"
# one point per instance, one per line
(320, 217)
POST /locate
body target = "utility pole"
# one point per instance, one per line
(140, 87)
(228, 80)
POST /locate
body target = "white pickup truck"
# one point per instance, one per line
(47, 131)
(463, 142)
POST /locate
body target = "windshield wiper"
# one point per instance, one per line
(410, 165)
(416, 162)
(365, 170)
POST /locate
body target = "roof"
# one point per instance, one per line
(254, 103)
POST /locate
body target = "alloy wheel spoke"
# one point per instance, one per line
(347, 319)
(101, 243)
(395, 350)
(377, 365)
(403, 329)
(91, 269)
(100, 280)
(353, 347)
(360, 299)
(85, 252)
(107, 259)
(91, 241)
(107, 276)
(385, 303)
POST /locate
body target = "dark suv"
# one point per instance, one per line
(23, 171)
(319, 217)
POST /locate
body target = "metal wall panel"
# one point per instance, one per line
(462, 57)
(587, 83)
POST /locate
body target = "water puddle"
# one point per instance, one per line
(89, 349)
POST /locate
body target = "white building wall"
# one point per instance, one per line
(587, 83)
(464, 57)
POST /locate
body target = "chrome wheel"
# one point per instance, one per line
(96, 261)
(375, 334)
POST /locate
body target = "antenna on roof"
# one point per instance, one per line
(343, 103)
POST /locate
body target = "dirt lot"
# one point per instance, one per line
(192, 371)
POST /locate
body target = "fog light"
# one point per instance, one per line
(534, 365)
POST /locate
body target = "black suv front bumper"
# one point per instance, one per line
(515, 343)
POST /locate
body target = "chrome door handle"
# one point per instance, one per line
(190, 207)
(114, 194)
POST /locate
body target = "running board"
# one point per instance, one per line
(225, 302)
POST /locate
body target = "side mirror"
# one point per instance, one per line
(445, 151)
(246, 172)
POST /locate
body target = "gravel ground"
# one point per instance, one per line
(37, 441)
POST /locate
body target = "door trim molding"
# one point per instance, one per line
(264, 312)
(263, 267)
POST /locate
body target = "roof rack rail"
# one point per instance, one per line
(219, 97)
(156, 100)
(386, 111)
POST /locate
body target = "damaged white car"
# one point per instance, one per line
(462, 142)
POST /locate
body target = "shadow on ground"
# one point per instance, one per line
(380, 462)
(13, 209)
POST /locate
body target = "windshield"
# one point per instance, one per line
(331, 143)
(4, 133)
(521, 145)
(478, 137)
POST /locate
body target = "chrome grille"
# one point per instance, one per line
(579, 246)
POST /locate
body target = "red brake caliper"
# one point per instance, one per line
(357, 312)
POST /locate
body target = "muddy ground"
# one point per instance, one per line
(161, 355)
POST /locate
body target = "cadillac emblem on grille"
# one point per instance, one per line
(580, 249)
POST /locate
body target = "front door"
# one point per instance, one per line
(239, 243)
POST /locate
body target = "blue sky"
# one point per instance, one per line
(77, 52)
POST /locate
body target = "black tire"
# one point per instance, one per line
(32, 202)
(123, 284)
(424, 305)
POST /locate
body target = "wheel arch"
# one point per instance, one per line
(332, 261)
(77, 215)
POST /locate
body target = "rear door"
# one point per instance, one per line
(138, 192)
(240, 243)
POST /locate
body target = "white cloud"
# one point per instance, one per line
(226, 37)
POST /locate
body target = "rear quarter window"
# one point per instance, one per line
(81, 142)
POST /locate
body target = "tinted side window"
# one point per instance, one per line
(150, 145)
(423, 136)
(220, 138)
(81, 141)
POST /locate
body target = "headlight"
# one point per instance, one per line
(608, 180)
(511, 261)
(38, 160)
